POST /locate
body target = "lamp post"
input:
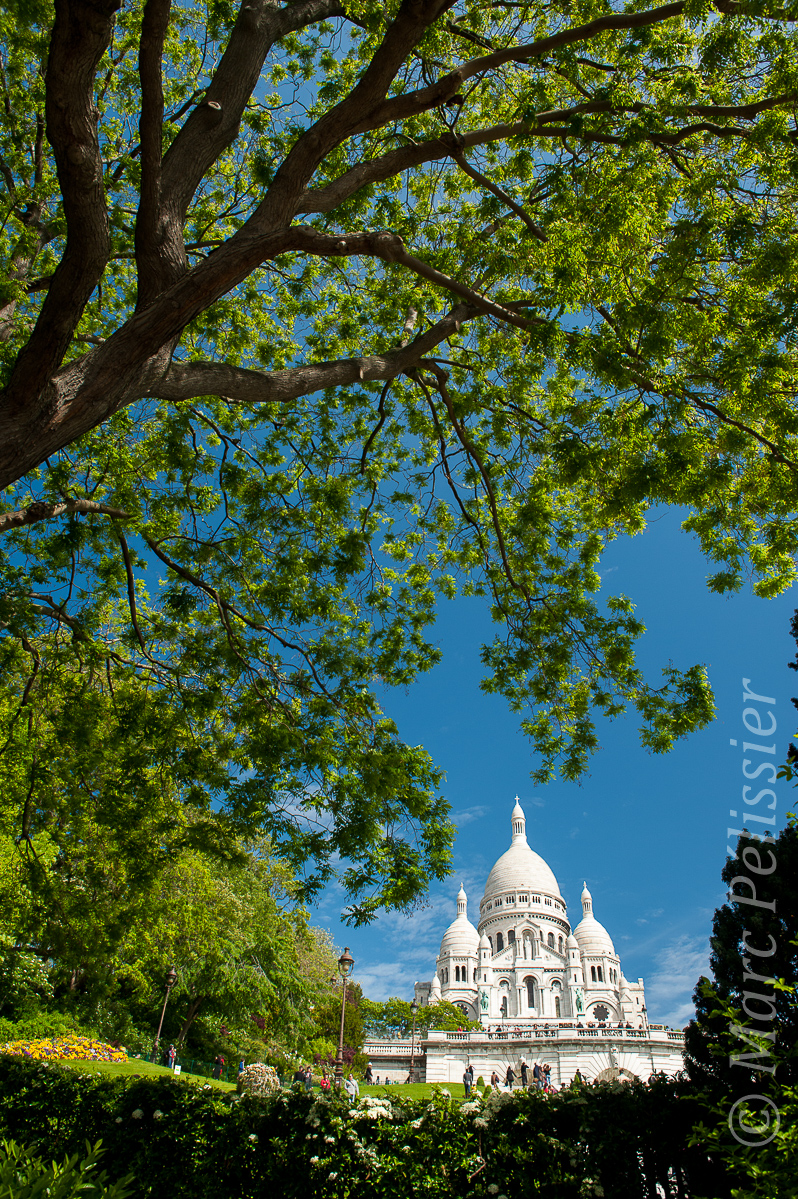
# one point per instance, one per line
(413, 1009)
(345, 964)
(170, 981)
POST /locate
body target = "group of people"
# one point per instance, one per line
(540, 1077)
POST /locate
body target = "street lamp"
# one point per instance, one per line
(170, 981)
(413, 1009)
(345, 964)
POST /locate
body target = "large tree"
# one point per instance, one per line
(750, 947)
(316, 312)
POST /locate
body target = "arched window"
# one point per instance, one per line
(457, 974)
(475, 977)
(600, 977)
(499, 942)
(557, 1006)
(592, 974)
(550, 940)
(530, 992)
(511, 937)
(490, 941)
(559, 944)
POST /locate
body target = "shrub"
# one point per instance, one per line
(617, 1139)
(41, 1024)
(23, 1175)
(258, 1080)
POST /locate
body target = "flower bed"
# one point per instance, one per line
(65, 1049)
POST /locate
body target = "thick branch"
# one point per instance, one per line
(149, 257)
(347, 117)
(185, 381)
(213, 125)
(41, 511)
(81, 33)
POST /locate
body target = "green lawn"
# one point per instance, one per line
(414, 1090)
(136, 1068)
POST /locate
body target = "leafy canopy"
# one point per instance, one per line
(316, 314)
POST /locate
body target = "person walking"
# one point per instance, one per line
(509, 1077)
(537, 1076)
(171, 1054)
(218, 1066)
(466, 1082)
(494, 1080)
(524, 1072)
(369, 1075)
(352, 1089)
(547, 1076)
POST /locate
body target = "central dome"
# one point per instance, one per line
(520, 868)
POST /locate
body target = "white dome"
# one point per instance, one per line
(460, 937)
(520, 868)
(484, 943)
(592, 937)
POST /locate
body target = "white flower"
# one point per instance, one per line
(118, 1120)
(493, 1189)
(253, 1136)
(469, 1107)
(448, 1094)
(157, 1115)
(314, 1161)
(332, 1176)
(480, 1122)
(329, 1140)
(137, 1114)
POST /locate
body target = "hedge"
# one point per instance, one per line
(178, 1140)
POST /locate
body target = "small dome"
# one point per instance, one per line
(484, 943)
(435, 989)
(593, 937)
(460, 937)
(585, 893)
(572, 942)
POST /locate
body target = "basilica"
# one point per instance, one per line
(541, 991)
(523, 963)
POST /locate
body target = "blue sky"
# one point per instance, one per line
(647, 832)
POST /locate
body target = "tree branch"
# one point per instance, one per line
(185, 381)
(500, 194)
(152, 265)
(81, 34)
(41, 511)
(213, 125)
(391, 248)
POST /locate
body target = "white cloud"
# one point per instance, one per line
(669, 989)
(466, 815)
